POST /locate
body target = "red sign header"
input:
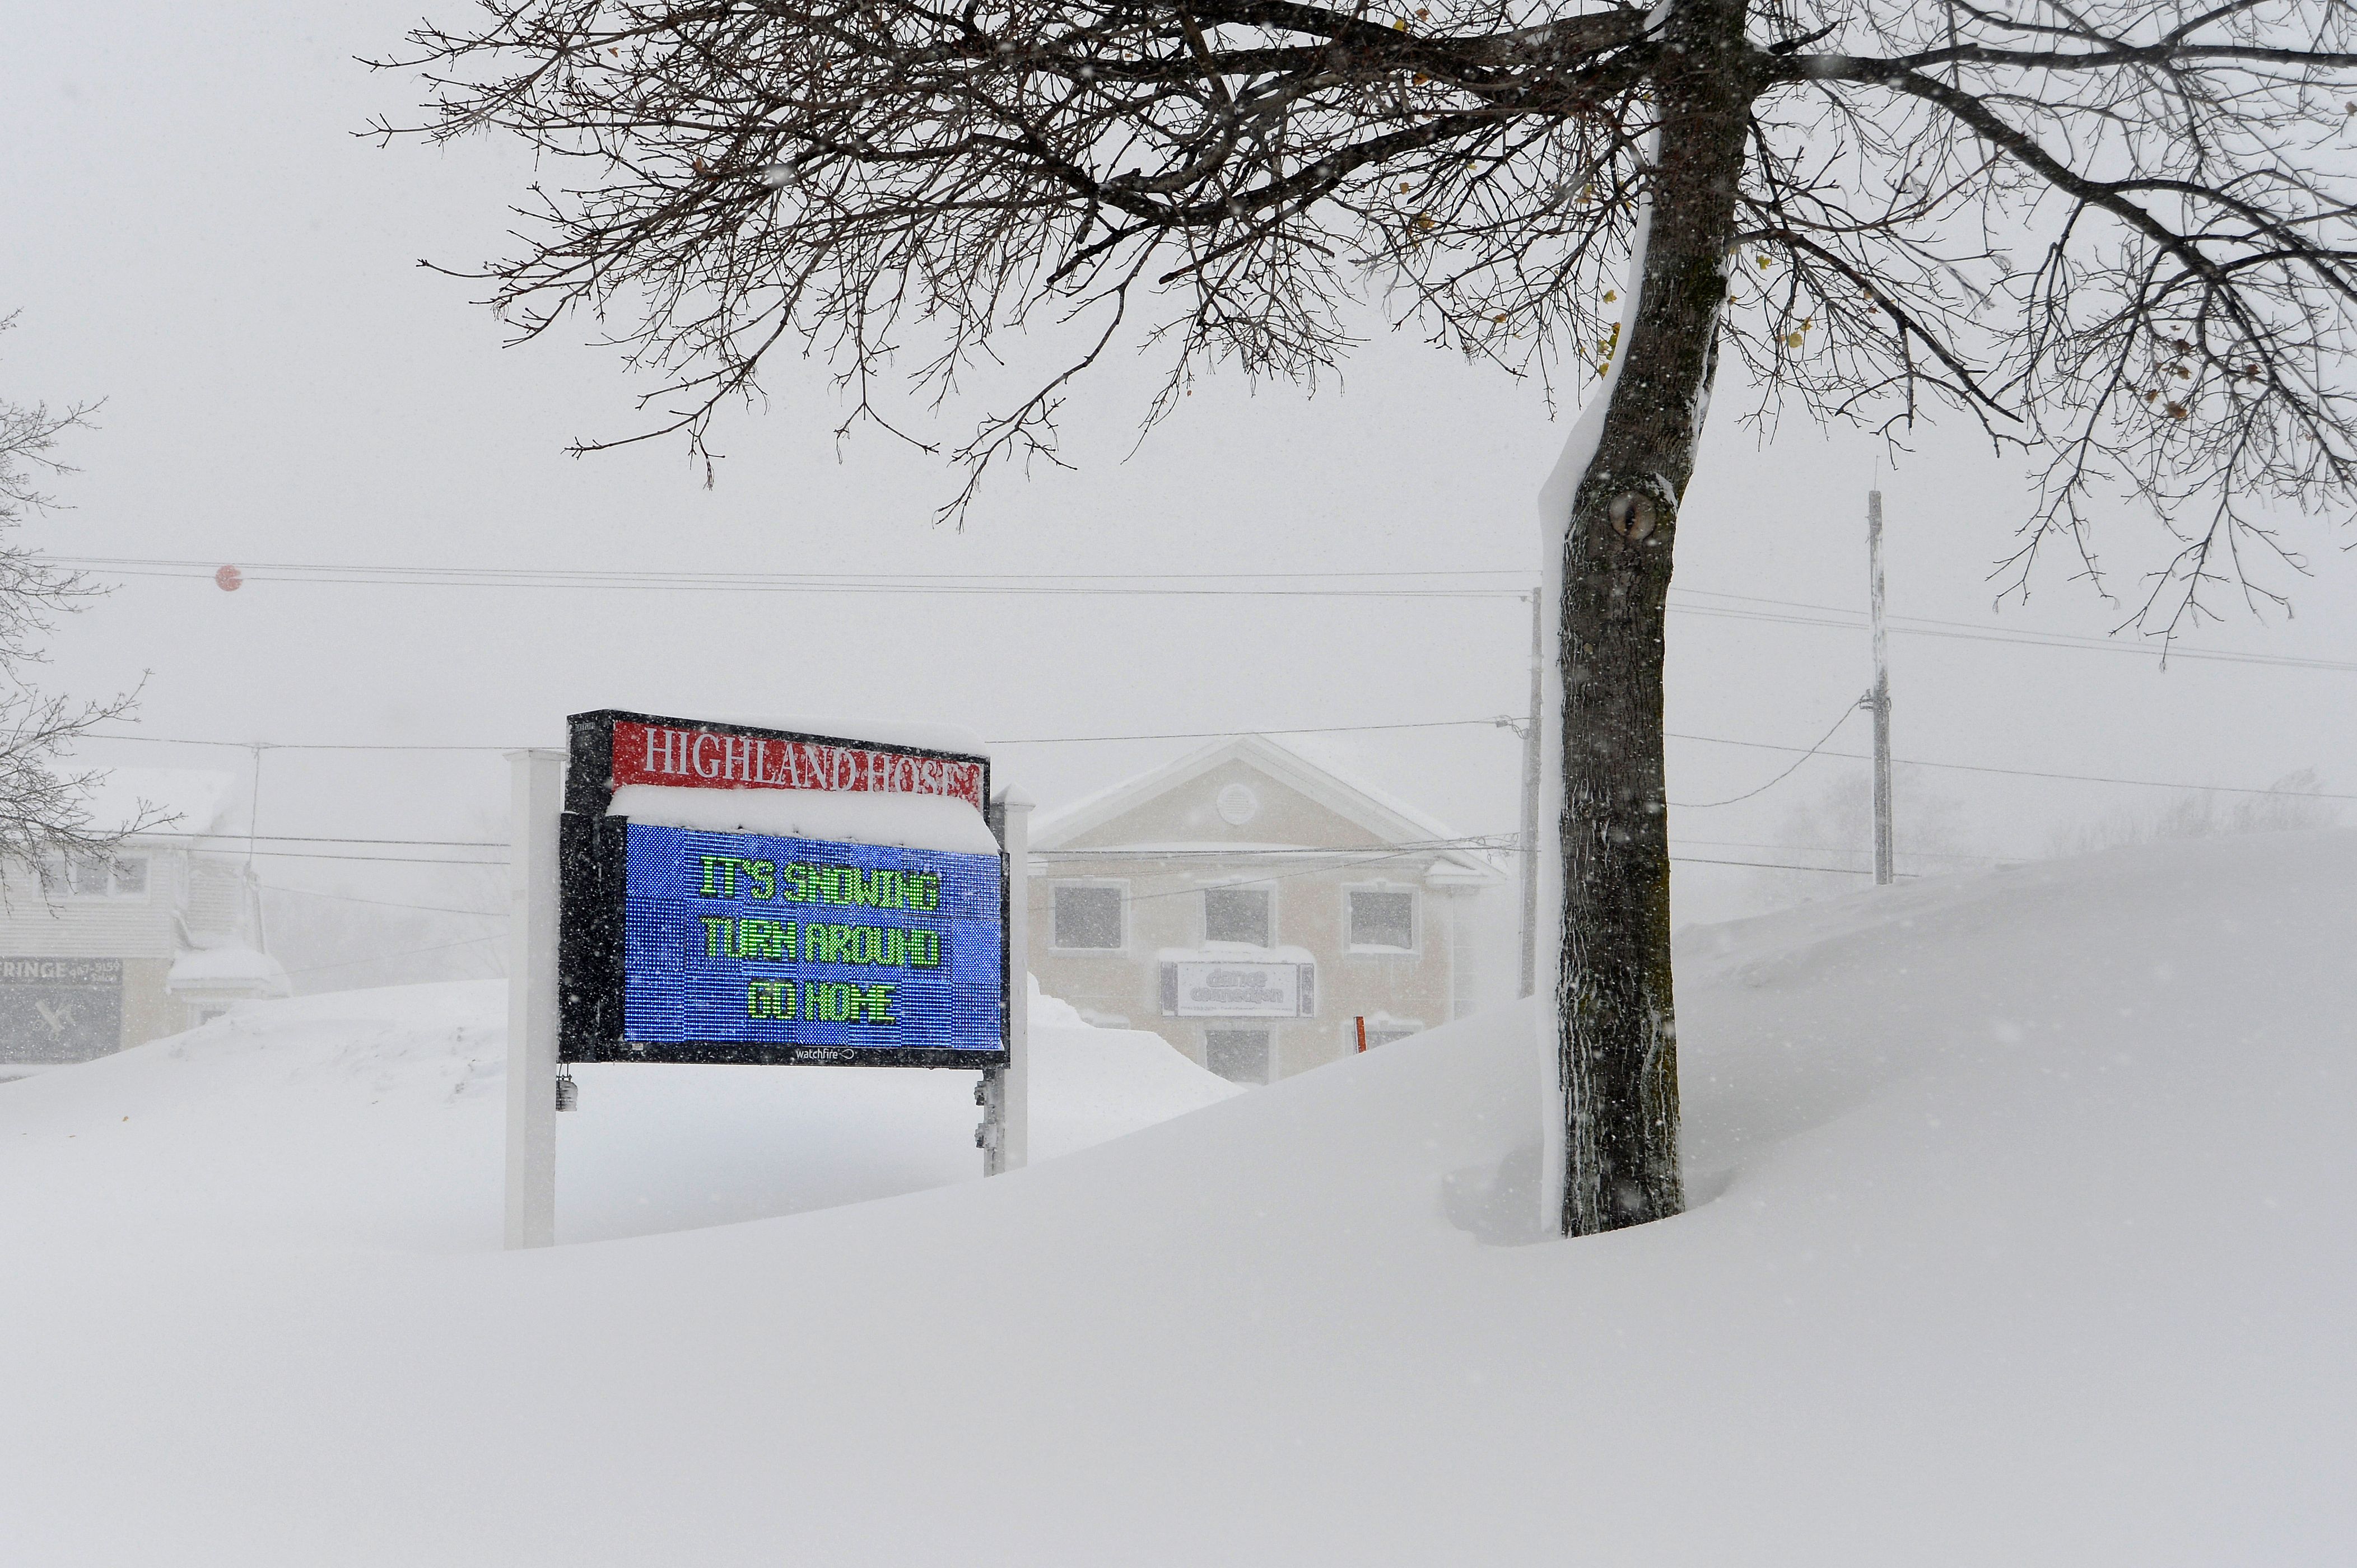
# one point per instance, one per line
(712, 759)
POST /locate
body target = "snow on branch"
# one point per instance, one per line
(43, 812)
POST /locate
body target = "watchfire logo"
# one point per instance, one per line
(657, 753)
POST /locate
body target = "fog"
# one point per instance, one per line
(821, 1190)
(197, 235)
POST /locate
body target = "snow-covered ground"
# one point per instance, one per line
(374, 1120)
(2023, 1235)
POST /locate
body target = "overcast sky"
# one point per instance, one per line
(194, 234)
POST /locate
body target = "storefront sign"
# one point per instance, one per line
(688, 945)
(730, 757)
(1228, 990)
(59, 1009)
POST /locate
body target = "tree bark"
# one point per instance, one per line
(1617, 1046)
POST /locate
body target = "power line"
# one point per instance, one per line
(374, 859)
(295, 746)
(300, 838)
(2020, 772)
(1927, 625)
(1781, 866)
(1835, 849)
(1156, 585)
(1398, 854)
(1496, 722)
(1330, 729)
(1149, 852)
(1705, 805)
(1153, 584)
(385, 956)
(387, 903)
(1490, 723)
(208, 567)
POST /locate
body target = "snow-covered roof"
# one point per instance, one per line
(200, 801)
(1319, 753)
(1383, 816)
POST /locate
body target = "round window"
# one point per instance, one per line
(1238, 805)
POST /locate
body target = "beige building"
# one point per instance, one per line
(1252, 908)
(98, 953)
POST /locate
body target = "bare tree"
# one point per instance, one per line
(44, 812)
(2115, 234)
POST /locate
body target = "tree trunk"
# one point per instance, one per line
(1616, 1028)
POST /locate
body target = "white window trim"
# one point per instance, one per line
(1240, 1026)
(1203, 910)
(1350, 944)
(1120, 884)
(64, 888)
(146, 880)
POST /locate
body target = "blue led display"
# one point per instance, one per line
(746, 939)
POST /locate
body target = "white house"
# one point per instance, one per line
(1257, 909)
(99, 953)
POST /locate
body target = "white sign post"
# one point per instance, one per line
(537, 801)
(1006, 1132)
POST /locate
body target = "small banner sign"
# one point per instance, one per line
(1222, 988)
(57, 1010)
(700, 756)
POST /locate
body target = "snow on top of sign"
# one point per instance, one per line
(871, 732)
(906, 822)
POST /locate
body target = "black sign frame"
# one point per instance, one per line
(592, 877)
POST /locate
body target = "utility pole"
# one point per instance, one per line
(1879, 699)
(1530, 843)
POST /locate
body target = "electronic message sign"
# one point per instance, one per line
(686, 944)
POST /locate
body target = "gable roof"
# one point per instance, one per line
(1386, 819)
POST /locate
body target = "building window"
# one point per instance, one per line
(95, 876)
(1087, 916)
(1238, 915)
(1382, 920)
(1240, 1055)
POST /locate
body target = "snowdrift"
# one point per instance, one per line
(2023, 1235)
(375, 1119)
